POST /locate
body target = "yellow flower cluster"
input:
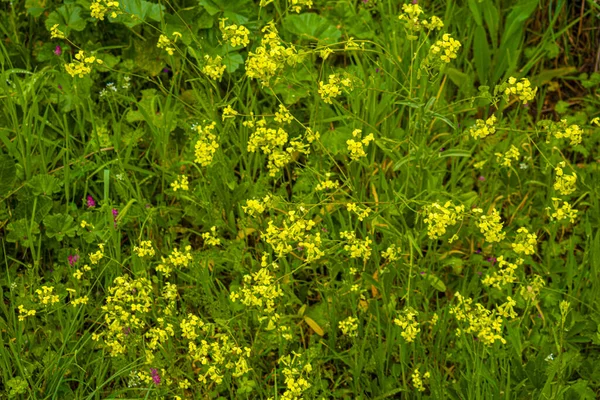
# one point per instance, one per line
(439, 218)
(525, 242)
(408, 323)
(24, 313)
(80, 300)
(295, 229)
(595, 121)
(564, 184)
(490, 225)
(486, 324)
(411, 13)
(145, 249)
(99, 8)
(181, 183)
(210, 238)
(189, 326)
(165, 43)
(98, 255)
(82, 65)
(177, 259)
(356, 147)
(333, 88)
(270, 57)
(507, 310)
(206, 145)
(215, 352)
(356, 247)
(236, 35)
(418, 382)
(228, 112)
(295, 374)
(296, 5)
(254, 206)
(483, 128)
(522, 89)
(260, 291)
(213, 67)
(362, 213)
(349, 326)
(565, 211)
(55, 33)
(327, 184)
(445, 49)
(506, 158)
(78, 274)
(272, 143)
(572, 132)
(505, 274)
(124, 313)
(158, 335)
(533, 289)
(283, 116)
(392, 253)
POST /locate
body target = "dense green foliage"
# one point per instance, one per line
(353, 199)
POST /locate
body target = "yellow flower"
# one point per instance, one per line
(564, 184)
(483, 128)
(446, 49)
(356, 147)
(55, 33)
(439, 217)
(349, 326)
(490, 226)
(181, 183)
(145, 249)
(213, 67)
(525, 242)
(522, 89)
(408, 323)
(236, 35)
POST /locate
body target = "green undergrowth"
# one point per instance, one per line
(299, 199)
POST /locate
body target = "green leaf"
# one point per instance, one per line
(8, 174)
(235, 10)
(67, 17)
(59, 225)
(35, 8)
(312, 26)
(18, 232)
(44, 184)
(481, 51)
(436, 282)
(474, 7)
(138, 11)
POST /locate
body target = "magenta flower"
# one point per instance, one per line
(155, 376)
(90, 201)
(482, 178)
(57, 50)
(115, 213)
(73, 259)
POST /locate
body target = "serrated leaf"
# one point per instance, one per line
(44, 184)
(59, 225)
(8, 174)
(312, 26)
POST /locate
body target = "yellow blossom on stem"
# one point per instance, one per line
(564, 184)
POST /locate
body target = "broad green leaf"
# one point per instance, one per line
(44, 184)
(28, 203)
(59, 225)
(8, 174)
(35, 8)
(18, 232)
(436, 282)
(237, 11)
(312, 26)
(67, 17)
(138, 11)
(492, 17)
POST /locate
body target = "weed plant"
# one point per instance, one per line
(272, 199)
